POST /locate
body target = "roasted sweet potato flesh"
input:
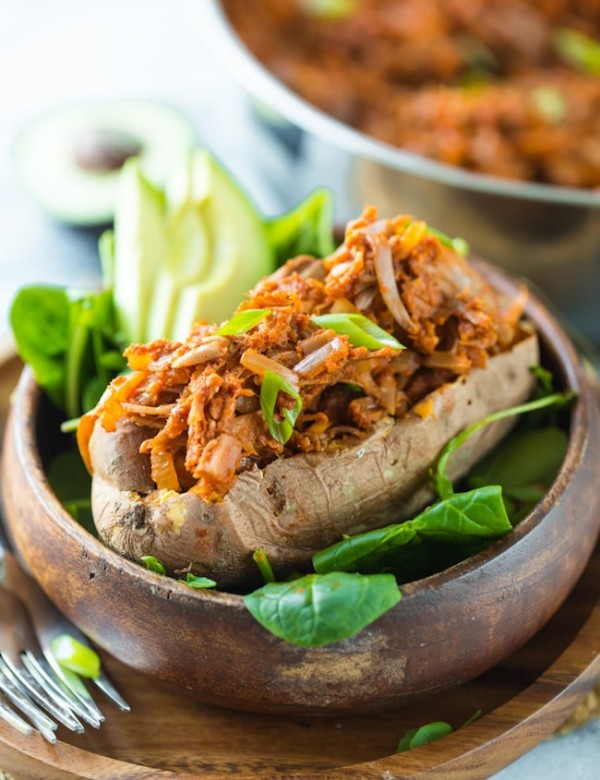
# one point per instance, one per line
(190, 467)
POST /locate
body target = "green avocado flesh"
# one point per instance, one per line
(188, 253)
(61, 163)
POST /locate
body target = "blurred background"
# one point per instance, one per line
(64, 52)
(60, 53)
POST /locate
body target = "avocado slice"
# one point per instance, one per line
(69, 160)
(239, 255)
(189, 253)
(140, 248)
(187, 257)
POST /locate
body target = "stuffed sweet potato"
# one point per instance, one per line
(316, 411)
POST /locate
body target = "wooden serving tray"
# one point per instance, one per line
(523, 700)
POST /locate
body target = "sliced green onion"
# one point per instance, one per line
(153, 564)
(361, 331)
(457, 244)
(68, 426)
(272, 384)
(242, 322)
(330, 9)
(73, 655)
(578, 50)
(199, 583)
(264, 565)
(549, 103)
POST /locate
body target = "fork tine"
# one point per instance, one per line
(41, 694)
(16, 634)
(108, 689)
(45, 725)
(14, 720)
(49, 622)
(44, 673)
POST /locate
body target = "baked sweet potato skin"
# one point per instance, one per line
(297, 505)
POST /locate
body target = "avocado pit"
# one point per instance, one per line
(101, 149)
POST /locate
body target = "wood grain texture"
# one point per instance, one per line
(447, 629)
(524, 700)
(169, 736)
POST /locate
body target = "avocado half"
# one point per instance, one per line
(69, 160)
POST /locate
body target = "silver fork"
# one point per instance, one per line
(30, 678)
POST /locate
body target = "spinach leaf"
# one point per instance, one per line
(525, 459)
(307, 229)
(317, 610)
(424, 735)
(458, 520)
(439, 475)
(524, 464)
(40, 323)
(68, 338)
(152, 563)
(198, 583)
(429, 733)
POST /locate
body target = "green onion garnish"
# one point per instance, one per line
(272, 384)
(361, 331)
(199, 583)
(242, 322)
(550, 103)
(330, 9)
(578, 50)
(153, 564)
(71, 654)
(457, 244)
(264, 565)
(68, 426)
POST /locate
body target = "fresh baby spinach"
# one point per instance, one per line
(264, 565)
(318, 609)
(439, 476)
(159, 271)
(152, 563)
(330, 605)
(524, 464)
(458, 521)
(198, 583)
(429, 732)
(68, 338)
(423, 735)
(307, 229)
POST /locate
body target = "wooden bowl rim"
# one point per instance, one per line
(552, 337)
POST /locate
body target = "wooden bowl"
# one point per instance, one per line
(447, 629)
